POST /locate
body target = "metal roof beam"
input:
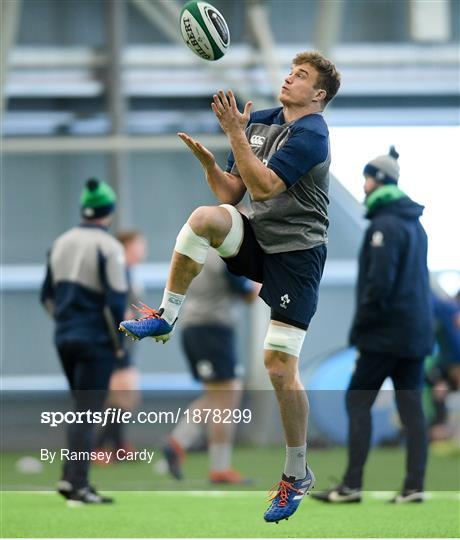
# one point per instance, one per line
(260, 25)
(116, 103)
(10, 11)
(328, 22)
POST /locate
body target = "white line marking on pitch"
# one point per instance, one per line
(379, 495)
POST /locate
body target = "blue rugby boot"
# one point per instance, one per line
(286, 496)
(152, 325)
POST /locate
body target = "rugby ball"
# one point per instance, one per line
(204, 30)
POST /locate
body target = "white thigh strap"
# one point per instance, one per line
(288, 339)
(231, 245)
(190, 244)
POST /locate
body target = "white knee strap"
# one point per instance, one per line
(231, 245)
(190, 244)
(287, 339)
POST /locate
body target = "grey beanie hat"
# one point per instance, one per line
(384, 169)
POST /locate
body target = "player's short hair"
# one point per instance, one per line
(328, 76)
(126, 237)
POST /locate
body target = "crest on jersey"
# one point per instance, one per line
(377, 239)
(257, 140)
(285, 301)
(205, 369)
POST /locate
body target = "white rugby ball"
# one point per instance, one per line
(204, 30)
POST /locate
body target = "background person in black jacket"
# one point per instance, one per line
(392, 328)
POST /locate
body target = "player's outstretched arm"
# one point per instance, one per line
(227, 187)
(261, 182)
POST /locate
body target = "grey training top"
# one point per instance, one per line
(86, 286)
(298, 152)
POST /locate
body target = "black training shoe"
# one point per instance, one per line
(64, 488)
(409, 496)
(87, 495)
(339, 494)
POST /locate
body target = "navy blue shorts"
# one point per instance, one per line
(290, 280)
(210, 351)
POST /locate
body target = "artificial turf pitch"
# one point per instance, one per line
(232, 514)
(194, 512)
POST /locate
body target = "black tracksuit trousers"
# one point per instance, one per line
(407, 375)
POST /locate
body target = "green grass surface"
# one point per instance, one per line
(147, 506)
(384, 471)
(237, 514)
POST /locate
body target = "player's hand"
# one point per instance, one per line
(205, 157)
(226, 110)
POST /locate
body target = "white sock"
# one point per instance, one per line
(220, 456)
(295, 461)
(171, 304)
(187, 433)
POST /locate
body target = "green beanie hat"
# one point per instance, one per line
(97, 199)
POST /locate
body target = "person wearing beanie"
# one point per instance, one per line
(85, 292)
(384, 169)
(97, 200)
(392, 329)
